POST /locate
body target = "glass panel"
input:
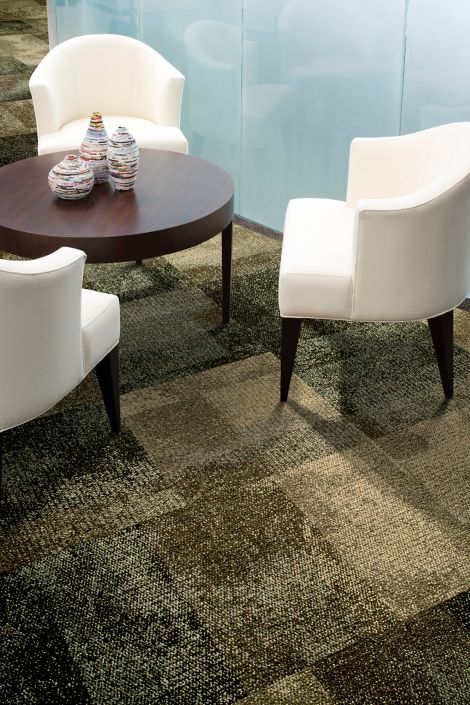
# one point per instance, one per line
(111, 17)
(52, 23)
(69, 19)
(437, 86)
(315, 75)
(202, 38)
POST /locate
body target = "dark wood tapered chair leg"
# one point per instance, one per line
(442, 333)
(290, 337)
(227, 238)
(107, 372)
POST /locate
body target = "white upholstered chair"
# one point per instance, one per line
(123, 78)
(397, 250)
(53, 334)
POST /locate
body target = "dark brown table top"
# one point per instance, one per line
(178, 201)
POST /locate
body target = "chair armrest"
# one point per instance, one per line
(413, 252)
(168, 108)
(63, 257)
(158, 89)
(45, 109)
(53, 91)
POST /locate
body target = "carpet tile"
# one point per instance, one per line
(409, 559)
(10, 26)
(13, 88)
(459, 608)
(37, 666)
(130, 281)
(226, 425)
(174, 322)
(10, 65)
(17, 118)
(23, 47)
(462, 326)
(274, 600)
(46, 501)
(21, 146)
(174, 659)
(14, 7)
(301, 688)
(434, 455)
(424, 661)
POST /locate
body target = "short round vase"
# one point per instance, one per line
(71, 178)
(94, 147)
(123, 159)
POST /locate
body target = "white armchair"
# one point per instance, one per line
(397, 250)
(123, 78)
(53, 334)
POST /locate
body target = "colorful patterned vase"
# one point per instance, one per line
(123, 159)
(71, 178)
(94, 147)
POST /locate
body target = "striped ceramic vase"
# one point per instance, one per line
(123, 159)
(71, 178)
(94, 147)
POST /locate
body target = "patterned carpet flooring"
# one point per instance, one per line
(23, 43)
(225, 548)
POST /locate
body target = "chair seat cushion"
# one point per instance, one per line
(147, 134)
(317, 260)
(100, 326)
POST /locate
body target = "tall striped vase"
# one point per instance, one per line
(123, 159)
(93, 150)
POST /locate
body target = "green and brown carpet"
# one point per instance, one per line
(225, 548)
(23, 43)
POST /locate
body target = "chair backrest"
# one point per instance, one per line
(413, 234)
(41, 356)
(109, 73)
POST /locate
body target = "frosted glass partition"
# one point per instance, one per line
(437, 76)
(277, 89)
(316, 75)
(113, 16)
(192, 35)
(70, 18)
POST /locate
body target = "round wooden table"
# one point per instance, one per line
(178, 201)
